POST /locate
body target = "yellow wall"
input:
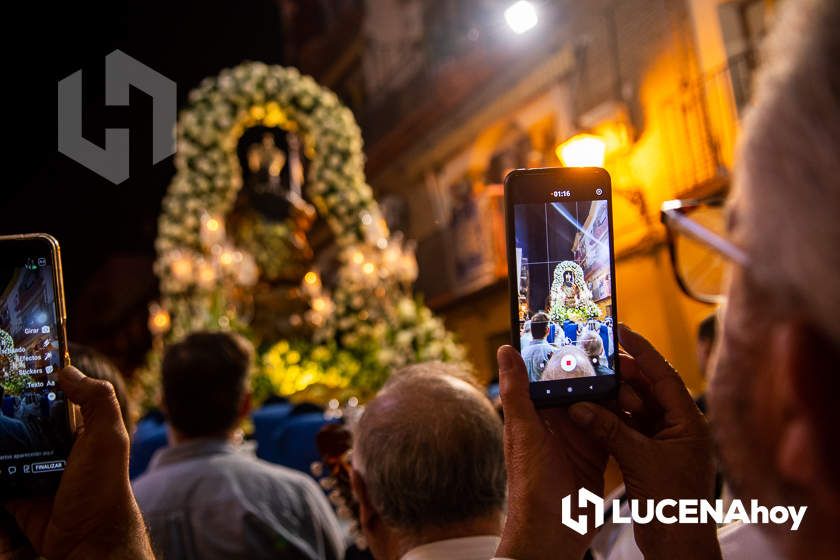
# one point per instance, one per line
(650, 302)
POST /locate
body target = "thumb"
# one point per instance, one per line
(95, 397)
(620, 440)
(514, 387)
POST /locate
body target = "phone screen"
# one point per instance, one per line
(35, 433)
(562, 282)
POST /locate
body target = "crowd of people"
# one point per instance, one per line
(544, 346)
(437, 474)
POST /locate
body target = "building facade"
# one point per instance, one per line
(450, 100)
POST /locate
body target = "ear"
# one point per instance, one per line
(367, 515)
(806, 385)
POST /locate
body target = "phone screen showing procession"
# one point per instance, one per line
(565, 289)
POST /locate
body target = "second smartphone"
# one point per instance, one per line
(36, 420)
(561, 264)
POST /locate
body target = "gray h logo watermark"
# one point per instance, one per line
(121, 71)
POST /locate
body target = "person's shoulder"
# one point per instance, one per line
(295, 489)
(149, 488)
(149, 480)
(250, 466)
(279, 473)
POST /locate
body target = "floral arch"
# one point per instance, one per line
(572, 303)
(368, 322)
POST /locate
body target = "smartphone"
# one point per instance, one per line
(36, 420)
(561, 265)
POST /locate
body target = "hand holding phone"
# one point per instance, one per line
(666, 450)
(561, 265)
(548, 458)
(93, 513)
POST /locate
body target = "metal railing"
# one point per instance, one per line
(702, 122)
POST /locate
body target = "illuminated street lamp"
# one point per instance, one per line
(521, 16)
(159, 320)
(582, 150)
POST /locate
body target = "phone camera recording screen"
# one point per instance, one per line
(565, 288)
(34, 427)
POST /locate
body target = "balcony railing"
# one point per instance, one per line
(702, 122)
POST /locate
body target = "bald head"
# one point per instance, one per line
(429, 447)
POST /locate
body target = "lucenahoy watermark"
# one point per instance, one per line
(670, 511)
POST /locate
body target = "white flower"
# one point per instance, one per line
(407, 310)
(247, 272)
(385, 356)
(404, 338)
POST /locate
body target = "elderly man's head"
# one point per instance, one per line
(774, 390)
(568, 362)
(428, 461)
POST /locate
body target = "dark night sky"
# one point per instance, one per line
(546, 244)
(107, 231)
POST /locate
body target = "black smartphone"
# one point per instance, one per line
(561, 265)
(36, 420)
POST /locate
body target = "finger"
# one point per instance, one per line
(8, 532)
(666, 387)
(32, 516)
(650, 361)
(620, 440)
(630, 401)
(630, 370)
(95, 397)
(636, 412)
(14, 544)
(514, 387)
(678, 404)
(633, 376)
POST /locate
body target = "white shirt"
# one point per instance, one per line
(467, 548)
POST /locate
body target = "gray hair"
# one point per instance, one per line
(789, 174)
(429, 448)
(591, 343)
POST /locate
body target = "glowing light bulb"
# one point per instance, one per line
(159, 320)
(311, 278)
(206, 275)
(227, 258)
(182, 269)
(212, 230)
(521, 16)
(582, 150)
(319, 304)
(368, 268)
